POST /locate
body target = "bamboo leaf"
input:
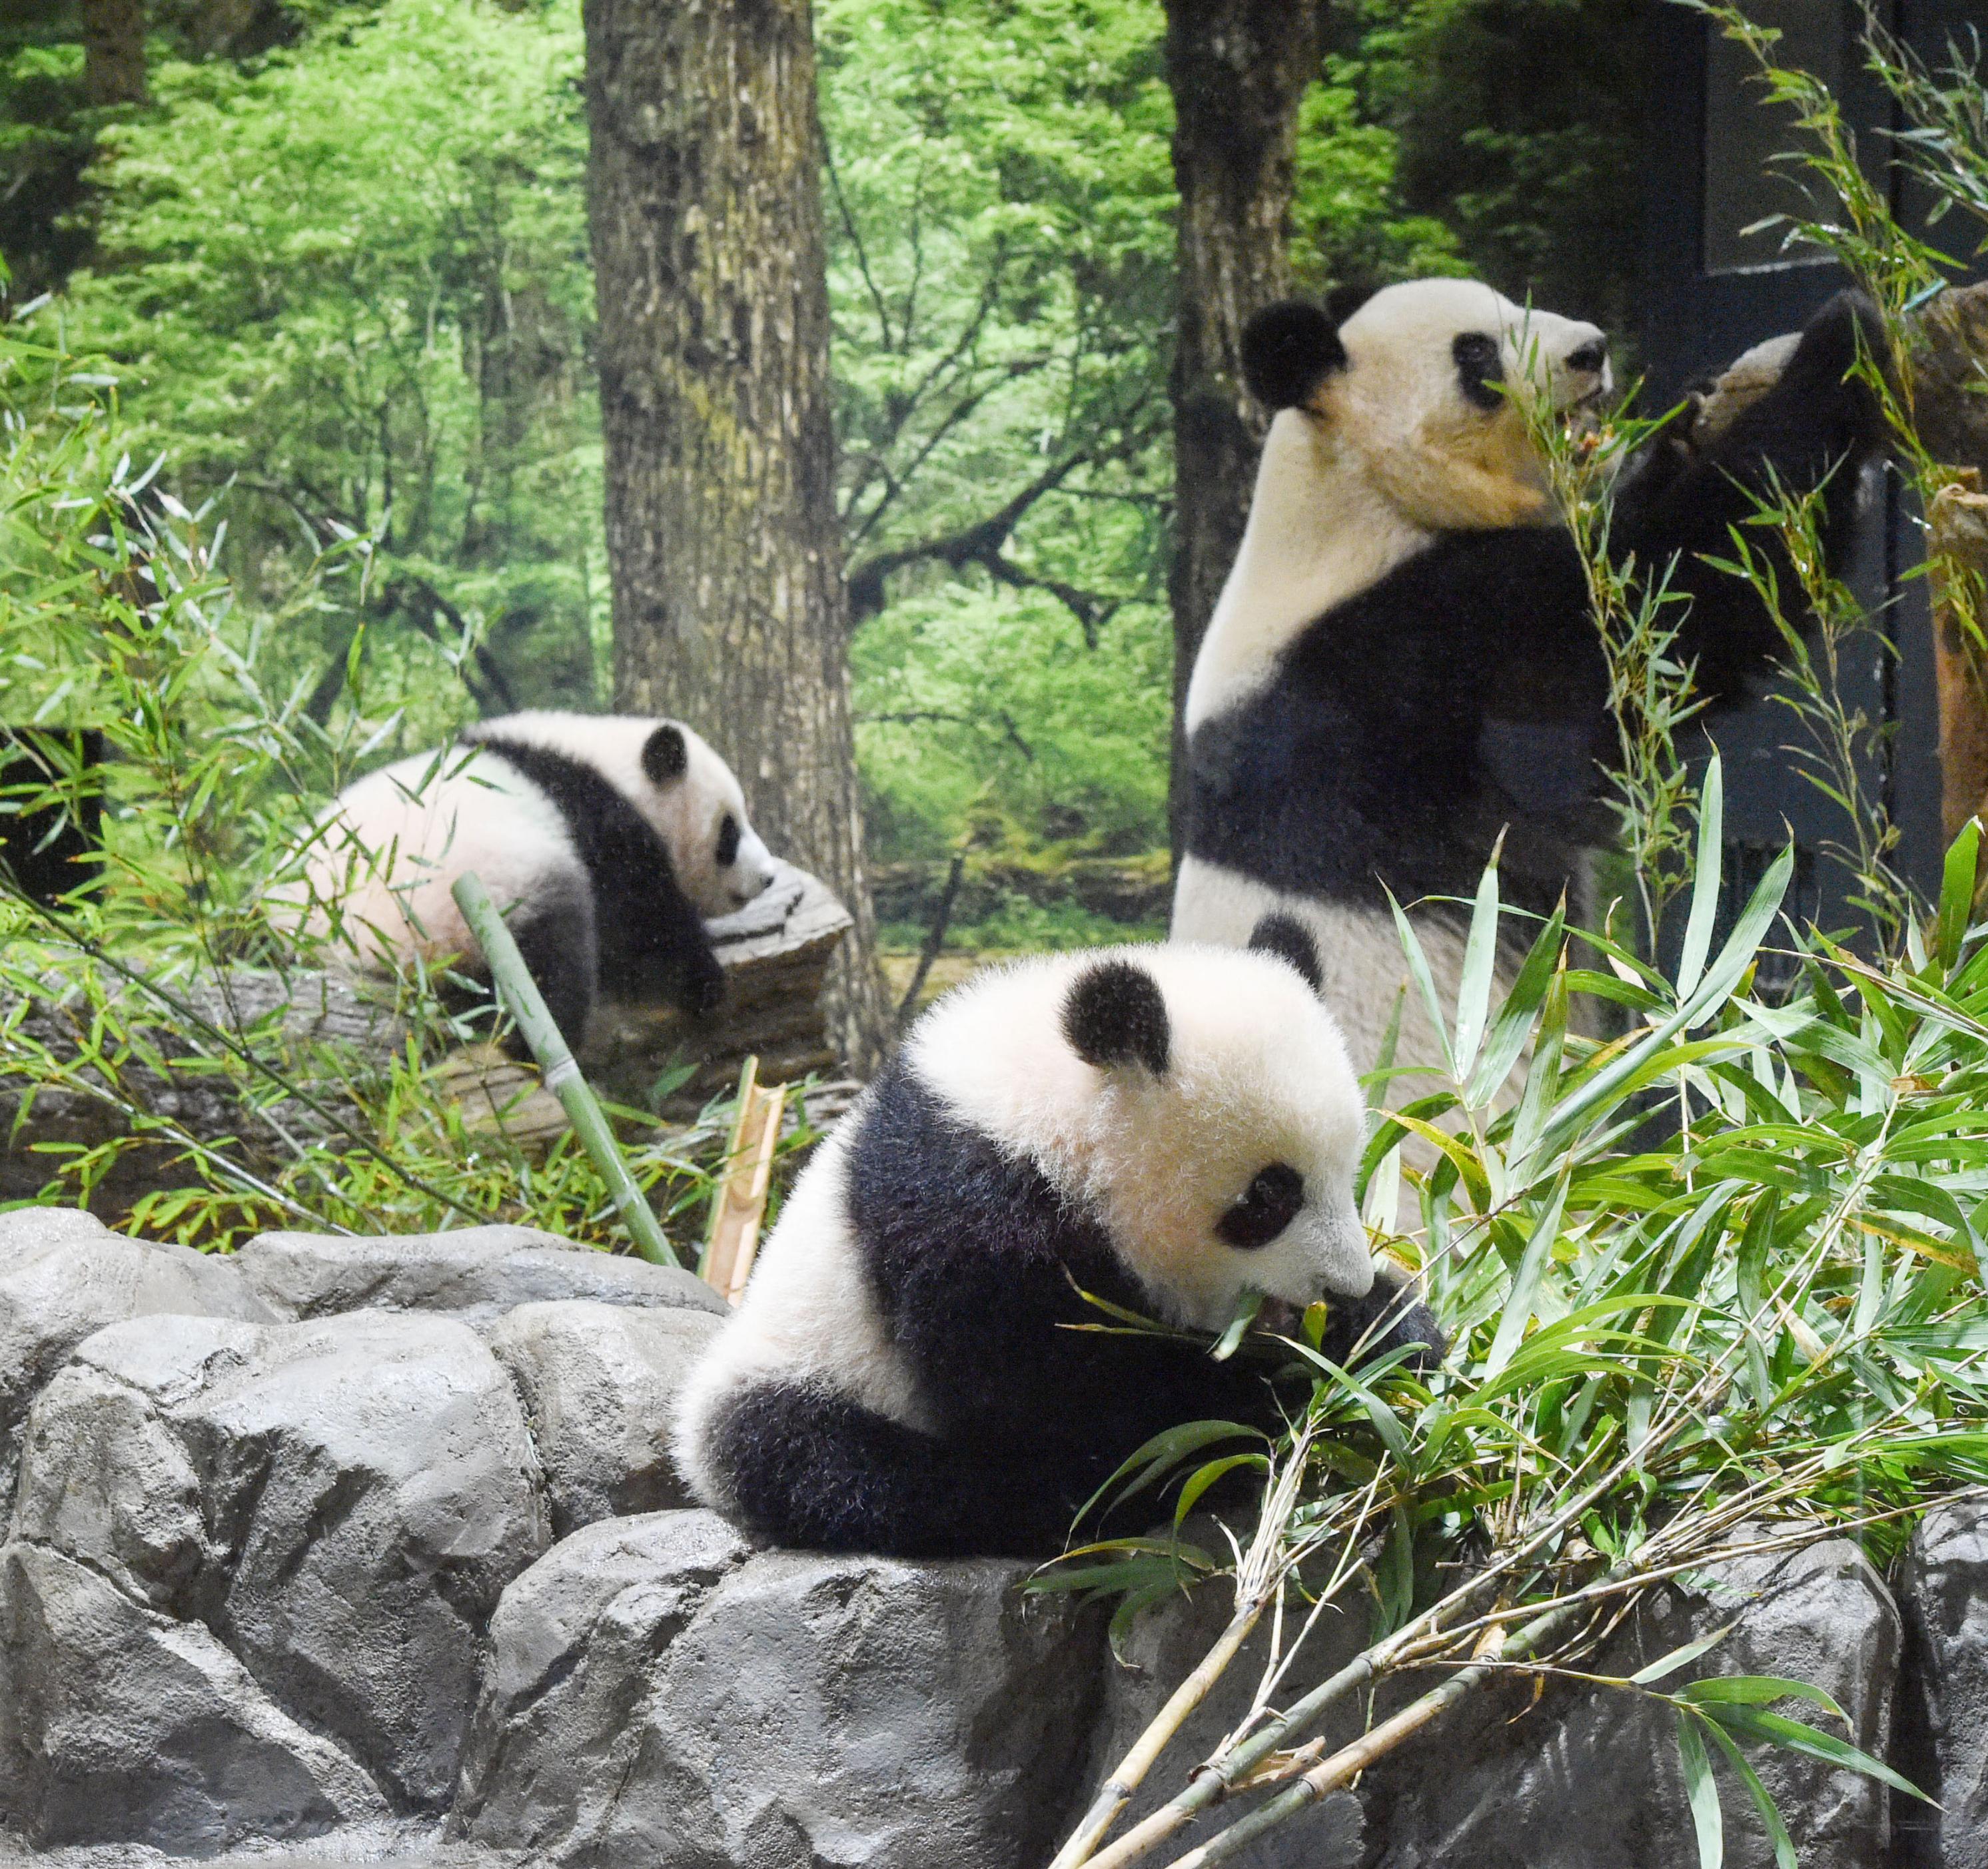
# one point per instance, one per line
(1775, 1730)
(1707, 1822)
(1668, 1665)
(1956, 894)
(1705, 882)
(1480, 955)
(1770, 1817)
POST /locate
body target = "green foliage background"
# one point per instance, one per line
(339, 269)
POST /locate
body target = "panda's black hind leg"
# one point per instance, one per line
(814, 1471)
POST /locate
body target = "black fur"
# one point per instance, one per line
(1344, 300)
(1480, 368)
(1289, 940)
(1115, 1015)
(648, 941)
(1287, 350)
(974, 1262)
(1466, 691)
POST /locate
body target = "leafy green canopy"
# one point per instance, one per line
(350, 285)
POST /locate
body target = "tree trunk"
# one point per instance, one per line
(724, 551)
(113, 51)
(1238, 69)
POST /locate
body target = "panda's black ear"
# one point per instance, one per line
(1342, 301)
(665, 758)
(1114, 1014)
(1289, 940)
(1287, 350)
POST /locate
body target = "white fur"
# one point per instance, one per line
(685, 813)
(1389, 452)
(807, 1316)
(382, 862)
(1257, 1073)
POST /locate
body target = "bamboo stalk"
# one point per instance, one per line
(523, 1000)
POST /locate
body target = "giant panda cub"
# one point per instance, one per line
(1402, 665)
(604, 839)
(1160, 1126)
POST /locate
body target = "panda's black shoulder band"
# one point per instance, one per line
(1115, 1014)
(1287, 350)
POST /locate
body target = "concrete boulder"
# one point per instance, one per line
(599, 1383)
(477, 1273)
(659, 1693)
(1943, 1592)
(240, 1537)
(63, 1275)
(1593, 1777)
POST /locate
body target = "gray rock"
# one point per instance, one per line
(599, 1382)
(477, 1274)
(1943, 1593)
(117, 1723)
(658, 1693)
(1593, 1777)
(336, 1507)
(64, 1274)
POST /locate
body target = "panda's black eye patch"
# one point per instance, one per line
(1478, 367)
(728, 841)
(1269, 1205)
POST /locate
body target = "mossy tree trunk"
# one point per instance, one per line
(729, 604)
(1238, 69)
(113, 51)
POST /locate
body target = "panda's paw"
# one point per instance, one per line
(1387, 1319)
(1848, 327)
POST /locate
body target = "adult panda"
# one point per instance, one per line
(605, 840)
(1402, 665)
(1161, 1127)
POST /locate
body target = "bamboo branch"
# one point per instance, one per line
(1349, 1761)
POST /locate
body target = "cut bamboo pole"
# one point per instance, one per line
(523, 1000)
(739, 1205)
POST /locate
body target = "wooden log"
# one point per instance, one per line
(325, 1034)
(1957, 555)
(1946, 370)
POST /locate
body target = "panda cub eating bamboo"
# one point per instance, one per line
(1162, 1128)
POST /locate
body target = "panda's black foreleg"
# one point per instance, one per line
(1814, 429)
(556, 940)
(814, 1471)
(655, 946)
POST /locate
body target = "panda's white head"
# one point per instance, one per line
(1197, 1101)
(1398, 417)
(1428, 385)
(686, 793)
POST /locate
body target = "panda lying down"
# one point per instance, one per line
(1161, 1126)
(605, 840)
